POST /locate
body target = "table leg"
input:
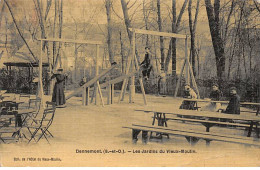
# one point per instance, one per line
(192, 140)
(165, 123)
(164, 120)
(208, 142)
(144, 136)
(134, 135)
(257, 130)
(154, 117)
(196, 105)
(160, 121)
(250, 129)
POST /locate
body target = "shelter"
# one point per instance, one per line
(23, 58)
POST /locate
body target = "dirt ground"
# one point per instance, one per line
(94, 127)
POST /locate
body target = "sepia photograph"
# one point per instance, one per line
(129, 83)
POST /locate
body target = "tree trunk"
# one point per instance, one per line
(54, 34)
(42, 21)
(192, 27)
(121, 51)
(215, 36)
(146, 16)
(109, 31)
(192, 38)
(128, 25)
(2, 7)
(60, 12)
(160, 29)
(126, 18)
(172, 44)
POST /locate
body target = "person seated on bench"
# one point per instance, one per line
(234, 102)
(146, 66)
(215, 95)
(190, 94)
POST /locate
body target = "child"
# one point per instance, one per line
(146, 64)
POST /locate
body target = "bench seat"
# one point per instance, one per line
(194, 136)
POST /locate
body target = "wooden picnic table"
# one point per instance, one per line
(160, 115)
(225, 102)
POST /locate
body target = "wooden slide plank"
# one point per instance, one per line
(91, 82)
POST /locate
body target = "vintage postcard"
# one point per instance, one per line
(129, 83)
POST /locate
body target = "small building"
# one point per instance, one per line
(24, 59)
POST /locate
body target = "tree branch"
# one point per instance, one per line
(17, 28)
(132, 4)
(196, 16)
(181, 13)
(256, 6)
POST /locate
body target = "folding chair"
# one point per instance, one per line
(8, 132)
(41, 128)
(25, 98)
(32, 110)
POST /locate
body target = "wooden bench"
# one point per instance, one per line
(206, 120)
(192, 136)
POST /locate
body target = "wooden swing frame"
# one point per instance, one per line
(133, 61)
(97, 86)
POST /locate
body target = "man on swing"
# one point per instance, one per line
(146, 66)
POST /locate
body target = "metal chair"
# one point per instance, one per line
(8, 131)
(33, 109)
(41, 126)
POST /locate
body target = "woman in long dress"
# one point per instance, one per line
(58, 95)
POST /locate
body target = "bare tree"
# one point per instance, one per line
(128, 22)
(172, 45)
(109, 30)
(218, 45)
(192, 26)
(159, 21)
(126, 18)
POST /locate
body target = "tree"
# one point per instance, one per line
(126, 18)
(128, 22)
(109, 30)
(192, 26)
(159, 21)
(218, 45)
(172, 45)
